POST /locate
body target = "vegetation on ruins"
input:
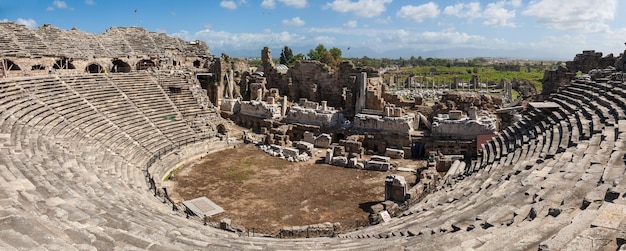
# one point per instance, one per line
(330, 57)
(287, 58)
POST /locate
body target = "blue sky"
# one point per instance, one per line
(543, 29)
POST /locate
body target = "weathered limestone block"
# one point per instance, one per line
(395, 188)
(340, 161)
(323, 140)
(352, 146)
(339, 151)
(394, 153)
(304, 147)
(309, 137)
(380, 158)
(377, 166)
(290, 152)
(329, 156)
(325, 229)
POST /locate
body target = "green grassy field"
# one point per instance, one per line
(443, 74)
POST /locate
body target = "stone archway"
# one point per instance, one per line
(94, 68)
(222, 129)
(144, 64)
(64, 64)
(37, 67)
(11, 66)
(120, 66)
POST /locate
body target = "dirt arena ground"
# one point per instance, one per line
(263, 192)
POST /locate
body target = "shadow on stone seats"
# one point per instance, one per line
(367, 206)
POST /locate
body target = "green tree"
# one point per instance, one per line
(318, 53)
(286, 57)
(298, 57)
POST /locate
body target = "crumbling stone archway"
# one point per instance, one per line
(144, 64)
(94, 68)
(120, 66)
(11, 66)
(64, 63)
(37, 67)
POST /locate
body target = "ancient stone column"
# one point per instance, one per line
(259, 94)
(231, 80)
(473, 113)
(360, 103)
(324, 105)
(283, 108)
(329, 156)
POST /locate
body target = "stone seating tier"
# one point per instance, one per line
(66, 185)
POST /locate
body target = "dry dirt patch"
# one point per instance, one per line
(267, 193)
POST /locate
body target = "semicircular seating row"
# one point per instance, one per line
(73, 150)
(552, 181)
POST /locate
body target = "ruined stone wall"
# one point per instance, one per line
(34, 51)
(589, 60)
(316, 82)
(583, 62)
(553, 79)
(459, 101)
(620, 62)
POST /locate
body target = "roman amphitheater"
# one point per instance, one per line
(91, 123)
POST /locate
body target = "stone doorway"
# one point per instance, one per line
(120, 66)
(94, 68)
(221, 129)
(64, 64)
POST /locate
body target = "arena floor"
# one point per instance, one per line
(266, 193)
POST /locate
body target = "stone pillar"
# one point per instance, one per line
(283, 108)
(259, 94)
(324, 105)
(231, 80)
(473, 113)
(395, 188)
(509, 91)
(329, 156)
(360, 103)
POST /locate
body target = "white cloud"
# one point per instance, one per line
(360, 8)
(58, 4)
(515, 3)
(496, 15)
(268, 4)
(464, 10)
(385, 20)
(226, 41)
(351, 24)
(30, 23)
(420, 12)
(575, 14)
(231, 5)
(295, 3)
(296, 21)
(90, 2)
